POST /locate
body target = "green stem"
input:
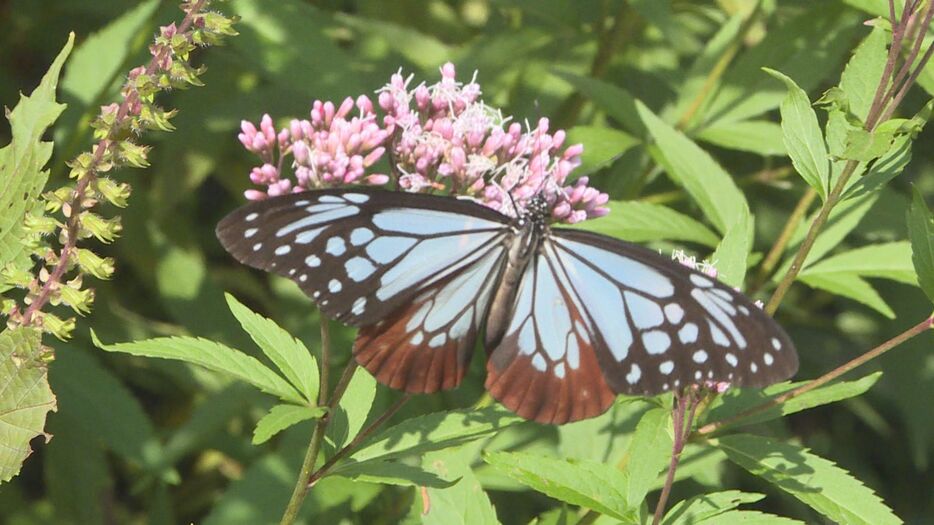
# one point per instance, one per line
(771, 260)
(685, 404)
(822, 380)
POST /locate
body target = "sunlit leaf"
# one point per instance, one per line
(281, 417)
(637, 221)
(351, 412)
(704, 506)
(649, 454)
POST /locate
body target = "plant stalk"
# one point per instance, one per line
(822, 380)
(685, 404)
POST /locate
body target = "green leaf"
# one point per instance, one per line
(587, 484)
(704, 506)
(602, 146)
(22, 161)
(921, 233)
(865, 146)
(851, 286)
(352, 410)
(421, 49)
(637, 221)
(749, 517)
(732, 253)
(803, 137)
(815, 481)
(739, 400)
(886, 168)
(755, 136)
(101, 56)
(288, 353)
(213, 356)
(76, 472)
(396, 473)
(432, 432)
(890, 260)
(26, 398)
(464, 502)
(649, 454)
(863, 72)
(615, 101)
(693, 168)
(281, 417)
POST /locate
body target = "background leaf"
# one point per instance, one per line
(636, 221)
(921, 231)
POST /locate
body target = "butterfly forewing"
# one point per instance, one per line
(361, 254)
(667, 325)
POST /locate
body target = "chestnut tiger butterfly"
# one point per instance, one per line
(569, 318)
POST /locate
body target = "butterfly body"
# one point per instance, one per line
(570, 318)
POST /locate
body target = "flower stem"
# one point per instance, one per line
(685, 403)
(822, 380)
(775, 253)
(350, 447)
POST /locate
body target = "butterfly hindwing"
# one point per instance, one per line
(545, 367)
(426, 345)
(667, 325)
(361, 254)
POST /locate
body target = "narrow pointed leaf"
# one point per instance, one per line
(288, 353)
(732, 254)
(352, 410)
(649, 454)
(281, 417)
(921, 232)
(637, 221)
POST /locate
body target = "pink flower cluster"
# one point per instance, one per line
(439, 138)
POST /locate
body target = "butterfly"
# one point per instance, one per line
(569, 318)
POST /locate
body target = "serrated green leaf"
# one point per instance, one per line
(289, 355)
(891, 260)
(637, 221)
(649, 454)
(851, 286)
(704, 506)
(102, 54)
(26, 398)
(352, 410)
(22, 161)
(739, 400)
(693, 168)
(432, 432)
(749, 517)
(615, 101)
(803, 137)
(281, 417)
(921, 233)
(464, 502)
(755, 136)
(815, 481)
(864, 70)
(732, 253)
(584, 483)
(602, 146)
(213, 356)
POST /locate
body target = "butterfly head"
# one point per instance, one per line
(536, 213)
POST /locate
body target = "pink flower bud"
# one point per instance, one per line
(447, 71)
(345, 108)
(265, 124)
(254, 195)
(377, 179)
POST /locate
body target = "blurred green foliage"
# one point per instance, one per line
(153, 441)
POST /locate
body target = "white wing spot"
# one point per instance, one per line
(674, 313)
(299, 204)
(582, 331)
(559, 370)
(666, 367)
(361, 236)
(357, 198)
(327, 198)
(318, 208)
(645, 313)
(634, 374)
(718, 336)
(284, 249)
(437, 340)
(292, 271)
(743, 310)
(730, 358)
(417, 338)
(316, 295)
(249, 233)
(359, 268)
(539, 362)
(710, 374)
(768, 359)
(336, 246)
(656, 342)
(251, 217)
(307, 236)
(722, 294)
(688, 333)
(312, 261)
(753, 368)
(698, 374)
(257, 246)
(701, 281)
(699, 356)
(358, 306)
(776, 344)
(302, 277)
(318, 218)
(334, 286)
